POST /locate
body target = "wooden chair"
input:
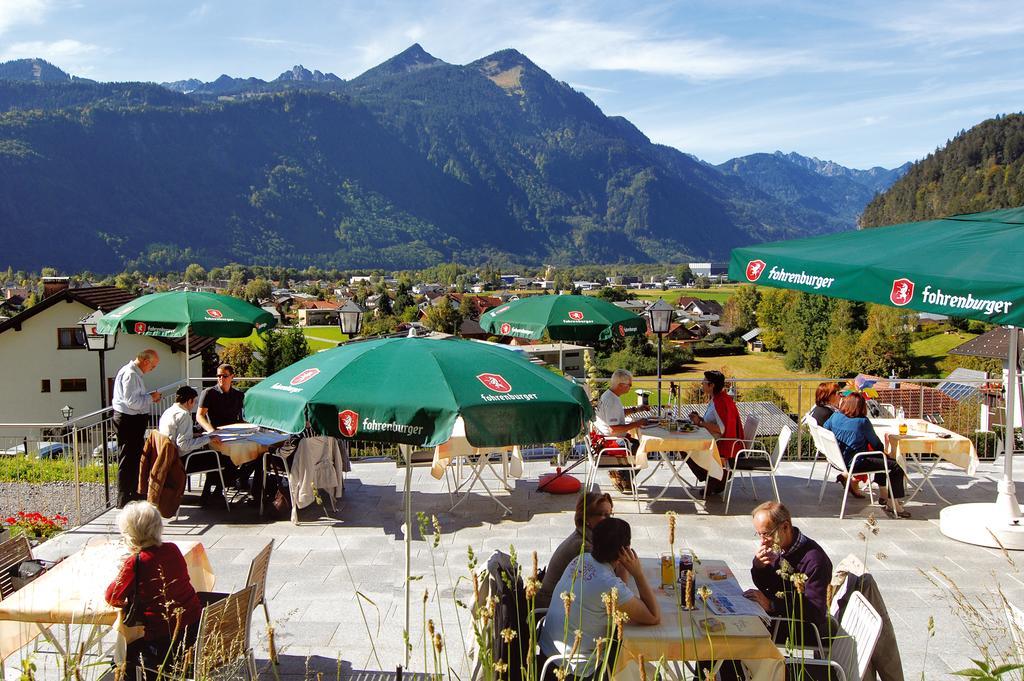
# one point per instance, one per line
(223, 640)
(257, 578)
(756, 459)
(851, 650)
(12, 552)
(828, 446)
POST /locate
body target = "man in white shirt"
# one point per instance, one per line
(610, 421)
(176, 423)
(131, 402)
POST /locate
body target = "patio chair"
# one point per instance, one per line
(750, 426)
(809, 421)
(828, 446)
(12, 552)
(223, 641)
(200, 470)
(257, 578)
(853, 646)
(757, 460)
(607, 453)
(1015, 616)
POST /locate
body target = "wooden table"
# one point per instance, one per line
(927, 438)
(73, 594)
(681, 635)
(698, 445)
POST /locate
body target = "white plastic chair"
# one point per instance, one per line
(207, 471)
(616, 457)
(853, 646)
(758, 460)
(809, 421)
(828, 446)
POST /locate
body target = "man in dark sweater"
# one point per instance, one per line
(792, 564)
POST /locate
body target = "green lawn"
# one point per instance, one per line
(318, 337)
(719, 293)
(928, 352)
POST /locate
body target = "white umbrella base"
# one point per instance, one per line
(982, 525)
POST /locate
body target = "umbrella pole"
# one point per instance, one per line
(407, 451)
(1006, 501)
(186, 356)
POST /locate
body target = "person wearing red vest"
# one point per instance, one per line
(722, 420)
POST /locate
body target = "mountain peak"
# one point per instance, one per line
(35, 70)
(505, 69)
(412, 58)
(300, 74)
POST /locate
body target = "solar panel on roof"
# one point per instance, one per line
(957, 391)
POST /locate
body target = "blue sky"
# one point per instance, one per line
(860, 83)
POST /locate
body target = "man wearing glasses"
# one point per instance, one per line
(220, 406)
(793, 593)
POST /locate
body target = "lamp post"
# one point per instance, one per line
(67, 411)
(100, 343)
(350, 318)
(660, 314)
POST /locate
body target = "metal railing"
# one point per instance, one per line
(83, 451)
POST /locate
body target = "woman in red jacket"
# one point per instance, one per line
(722, 420)
(164, 597)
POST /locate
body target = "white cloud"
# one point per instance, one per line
(18, 12)
(65, 53)
(199, 12)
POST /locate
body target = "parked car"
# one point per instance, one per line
(50, 450)
(97, 451)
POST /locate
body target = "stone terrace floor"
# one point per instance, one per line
(319, 567)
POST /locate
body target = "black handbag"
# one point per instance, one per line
(27, 571)
(131, 614)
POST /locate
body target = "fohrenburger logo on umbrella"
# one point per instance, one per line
(505, 328)
(215, 313)
(622, 330)
(575, 315)
(140, 327)
(495, 382)
(902, 292)
(348, 422)
(495, 313)
(304, 376)
(754, 269)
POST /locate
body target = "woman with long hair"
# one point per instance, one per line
(826, 403)
(591, 509)
(855, 434)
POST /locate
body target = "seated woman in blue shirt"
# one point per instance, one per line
(855, 434)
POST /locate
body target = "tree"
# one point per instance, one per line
(683, 274)
(772, 311)
(702, 282)
(443, 317)
(294, 346)
(241, 356)
(884, 347)
(384, 306)
(612, 294)
(741, 310)
(258, 289)
(403, 296)
(195, 274)
(806, 336)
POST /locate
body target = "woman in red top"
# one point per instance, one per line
(165, 599)
(722, 420)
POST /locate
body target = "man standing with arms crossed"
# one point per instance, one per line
(131, 417)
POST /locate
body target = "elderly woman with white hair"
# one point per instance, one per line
(610, 421)
(157, 575)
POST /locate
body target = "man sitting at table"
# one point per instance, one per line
(791, 572)
(176, 424)
(591, 579)
(218, 406)
(610, 421)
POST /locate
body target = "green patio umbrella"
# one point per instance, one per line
(174, 313)
(411, 391)
(564, 317)
(964, 265)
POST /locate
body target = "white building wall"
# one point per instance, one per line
(30, 355)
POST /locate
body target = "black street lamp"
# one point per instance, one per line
(660, 315)
(350, 318)
(100, 343)
(67, 411)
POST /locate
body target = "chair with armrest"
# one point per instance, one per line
(751, 460)
(828, 446)
(197, 469)
(12, 552)
(609, 453)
